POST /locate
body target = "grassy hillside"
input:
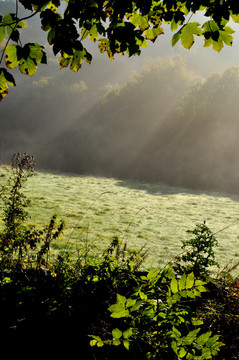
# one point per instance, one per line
(95, 209)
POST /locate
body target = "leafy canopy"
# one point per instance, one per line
(118, 27)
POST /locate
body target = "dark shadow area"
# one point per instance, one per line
(165, 190)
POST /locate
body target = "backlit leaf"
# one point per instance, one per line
(202, 339)
(11, 58)
(139, 20)
(152, 34)
(187, 34)
(2, 34)
(182, 352)
(9, 78)
(176, 37)
(120, 314)
(5, 79)
(3, 86)
(93, 33)
(36, 52)
(65, 60)
(127, 333)
(190, 281)
(174, 286)
(76, 61)
(153, 274)
(28, 66)
(226, 36)
(116, 333)
(126, 344)
(235, 17)
(182, 282)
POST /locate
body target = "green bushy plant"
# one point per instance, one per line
(21, 245)
(199, 256)
(157, 322)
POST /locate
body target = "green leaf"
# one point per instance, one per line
(11, 58)
(28, 66)
(127, 333)
(96, 341)
(226, 36)
(121, 299)
(93, 33)
(116, 307)
(51, 36)
(9, 78)
(142, 295)
(201, 288)
(152, 34)
(174, 346)
(21, 24)
(202, 339)
(140, 20)
(3, 86)
(176, 37)
(199, 283)
(116, 333)
(235, 17)
(136, 306)
(206, 353)
(174, 286)
(196, 322)
(126, 344)
(217, 45)
(212, 340)
(116, 342)
(76, 61)
(93, 342)
(2, 34)
(175, 332)
(187, 34)
(191, 336)
(130, 302)
(173, 25)
(153, 274)
(84, 33)
(190, 281)
(120, 314)
(182, 282)
(182, 352)
(36, 52)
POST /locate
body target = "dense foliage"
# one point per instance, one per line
(106, 307)
(118, 26)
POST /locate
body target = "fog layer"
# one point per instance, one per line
(164, 125)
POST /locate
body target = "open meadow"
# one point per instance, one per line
(95, 209)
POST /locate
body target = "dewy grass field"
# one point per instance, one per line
(96, 209)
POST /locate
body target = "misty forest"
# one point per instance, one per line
(119, 206)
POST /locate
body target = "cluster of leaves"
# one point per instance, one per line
(200, 253)
(20, 244)
(119, 27)
(160, 314)
(158, 320)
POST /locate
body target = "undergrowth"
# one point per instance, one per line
(106, 307)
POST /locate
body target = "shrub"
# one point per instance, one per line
(199, 256)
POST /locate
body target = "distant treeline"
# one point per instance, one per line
(165, 125)
(155, 129)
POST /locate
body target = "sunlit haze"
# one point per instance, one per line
(168, 115)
